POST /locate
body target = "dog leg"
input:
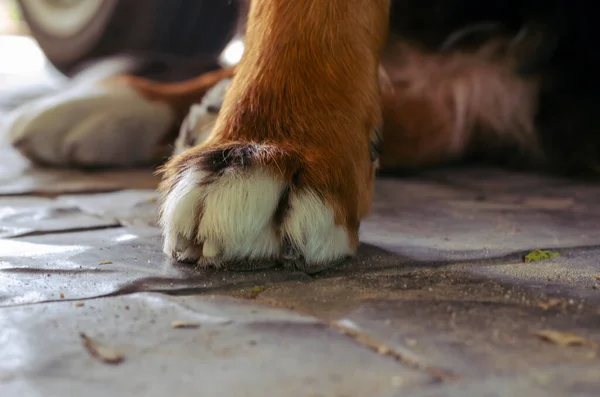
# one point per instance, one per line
(287, 172)
(122, 121)
(440, 107)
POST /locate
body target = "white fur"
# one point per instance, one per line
(236, 219)
(233, 218)
(92, 125)
(180, 211)
(238, 214)
(310, 226)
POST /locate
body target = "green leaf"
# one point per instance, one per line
(540, 255)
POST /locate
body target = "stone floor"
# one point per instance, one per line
(440, 301)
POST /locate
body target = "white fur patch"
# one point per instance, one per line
(180, 212)
(311, 228)
(238, 214)
(92, 125)
(232, 218)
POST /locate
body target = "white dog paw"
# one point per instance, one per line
(92, 126)
(241, 208)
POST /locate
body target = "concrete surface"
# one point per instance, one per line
(438, 303)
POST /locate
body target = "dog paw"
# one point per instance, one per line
(251, 206)
(93, 126)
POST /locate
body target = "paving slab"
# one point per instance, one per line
(557, 382)
(426, 219)
(130, 207)
(107, 262)
(22, 216)
(232, 349)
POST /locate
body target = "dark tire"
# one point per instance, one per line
(91, 29)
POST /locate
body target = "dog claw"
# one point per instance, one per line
(210, 249)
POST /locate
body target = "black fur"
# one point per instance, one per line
(232, 158)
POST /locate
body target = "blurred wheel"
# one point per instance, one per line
(74, 31)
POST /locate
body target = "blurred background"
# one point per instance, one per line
(11, 20)
(169, 39)
(44, 43)
(21, 56)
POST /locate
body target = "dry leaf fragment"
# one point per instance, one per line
(598, 278)
(106, 262)
(184, 324)
(552, 303)
(79, 304)
(105, 354)
(563, 338)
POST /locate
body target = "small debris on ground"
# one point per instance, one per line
(552, 303)
(79, 304)
(106, 262)
(597, 278)
(184, 324)
(62, 295)
(255, 291)
(540, 255)
(105, 354)
(563, 338)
